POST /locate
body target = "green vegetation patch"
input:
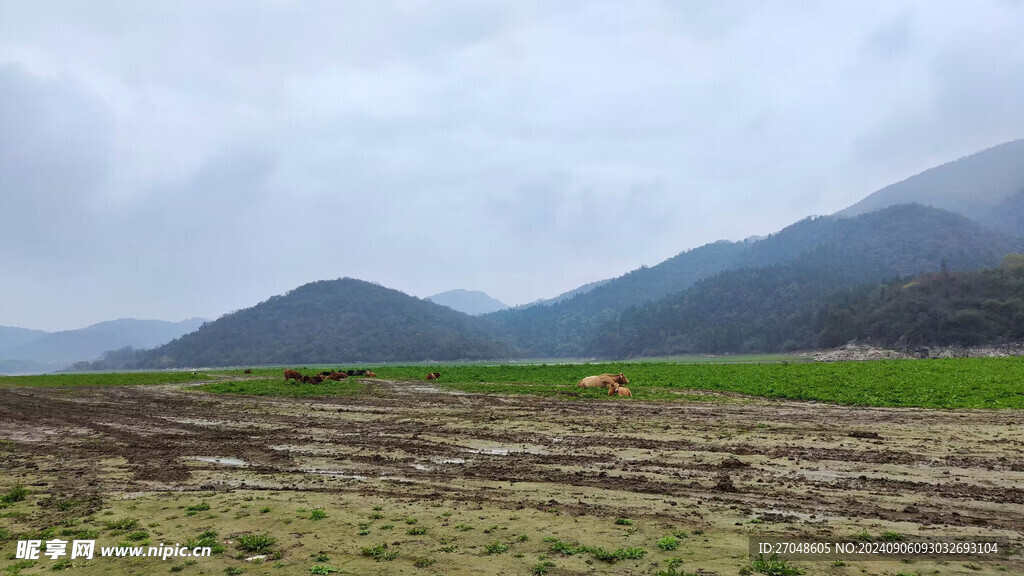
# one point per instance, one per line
(278, 387)
(939, 383)
(103, 379)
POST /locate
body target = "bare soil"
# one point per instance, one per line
(542, 467)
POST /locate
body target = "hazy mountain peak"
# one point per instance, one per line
(472, 302)
(987, 186)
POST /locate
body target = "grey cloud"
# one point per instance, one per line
(186, 158)
(55, 153)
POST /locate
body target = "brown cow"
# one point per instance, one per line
(623, 391)
(434, 376)
(603, 381)
(313, 379)
(371, 374)
(337, 376)
(292, 375)
(247, 371)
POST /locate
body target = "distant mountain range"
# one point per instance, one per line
(987, 187)
(896, 241)
(792, 289)
(786, 306)
(470, 302)
(23, 350)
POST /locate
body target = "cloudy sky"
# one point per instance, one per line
(177, 159)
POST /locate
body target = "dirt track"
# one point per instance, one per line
(799, 468)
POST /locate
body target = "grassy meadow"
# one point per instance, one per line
(943, 383)
(69, 380)
(989, 383)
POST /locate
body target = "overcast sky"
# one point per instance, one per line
(177, 159)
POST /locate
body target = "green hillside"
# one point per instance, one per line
(817, 303)
(333, 321)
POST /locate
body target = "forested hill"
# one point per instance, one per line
(899, 240)
(987, 186)
(331, 321)
(953, 308)
(789, 306)
(805, 305)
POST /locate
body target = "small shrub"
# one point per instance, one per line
(603, 555)
(623, 521)
(630, 553)
(541, 568)
(265, 509)
(376, 516)
(774, 566)
(322, 569)
(674, 569)
(233, 570)
(258, 543)
(410, 520)
(16, 494)
(122, 524)
(318, 514)
(423, 562)
(320, 557)
(208, 538)
(564, 548)
(891, 537)
(497, 547)
(138, 535)
(417, 531)
(380, 553)
(668, 543)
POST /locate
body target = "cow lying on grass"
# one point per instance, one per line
(613, 382)
(371, 374)
(603, 381)
(434, 376)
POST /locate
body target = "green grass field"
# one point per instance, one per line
(101, 379)
(945, 383)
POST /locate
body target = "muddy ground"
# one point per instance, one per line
(477, 469)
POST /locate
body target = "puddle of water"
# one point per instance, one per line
(198, 421)
(221, 460)
(335, 473)
(448, 460)
(505, 451)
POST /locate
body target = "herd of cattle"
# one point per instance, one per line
(334, 375)
(337, 375)
(615, 383)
